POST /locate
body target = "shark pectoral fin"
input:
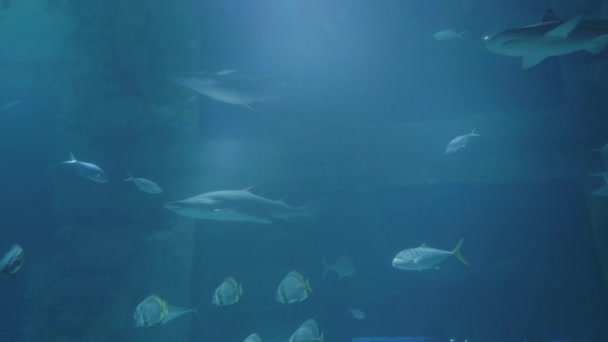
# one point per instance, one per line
(529, 61)
(598, 44)
(563, 30)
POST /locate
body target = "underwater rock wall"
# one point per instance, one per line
(119, 111)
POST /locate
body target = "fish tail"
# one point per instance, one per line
(473, 134)
(457, 253)
(308, 287)
(461, 33)
(129, 176)
(326, 267)
(321, 337)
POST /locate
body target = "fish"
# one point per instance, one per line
(238, 206)
(357, 313)
(154, 310)
(229, 292)
(424, 257)
(307, 332)
(87, 170)
(253, 338)
(12, 261)
(144, 185)
(343, 267)
(293, 288)
(459, 142)
(549, 38)
(227, 86)
(449, 34)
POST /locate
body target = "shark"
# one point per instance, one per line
(551, 37)
(238, 206)
(227, 86)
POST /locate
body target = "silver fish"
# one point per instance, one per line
(237, 206)
(446, 35)
(12, 261)
(87, 170)
(154, 310)
(307, 332)
(552, 37)
(229, 292)
(424, 257)
(293, 288)
(459, 142)
(144, 185)
(343, 267)
(228, 87)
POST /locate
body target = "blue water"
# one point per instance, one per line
(368, 102)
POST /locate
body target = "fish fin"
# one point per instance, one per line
(241, 290)
(308, 287)
(424, 245)
(225, 72)
(550, 15)
(249, 107)
(321, 337)
(598, 44)
(327, 267)
(249, 188)
(312, 208)
(473, 134)
(129, 176)
(436, 268)
(528, 62)
(457, 253)
(564, 29)
(461, 33)
(71, 160)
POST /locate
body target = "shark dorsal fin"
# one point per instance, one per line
(564, 29)
(550, 15)
(424, 245)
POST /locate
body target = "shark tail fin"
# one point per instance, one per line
(129, 176)
(460, 35)
(457, 254)
(598, 44)
(473, 134)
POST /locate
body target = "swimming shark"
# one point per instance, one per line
(227, 86)
(552, 37)
(237, 206)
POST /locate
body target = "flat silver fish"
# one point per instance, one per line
(459, 142)
(237, 206)
(87, 170)
(307, 332)
(154, 310)
(424, 257)
(12, 261)
(293, 288)
(227, 293)
(144, 185)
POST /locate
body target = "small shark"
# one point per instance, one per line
(237, 206)
(227, 86)
(552, 37)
